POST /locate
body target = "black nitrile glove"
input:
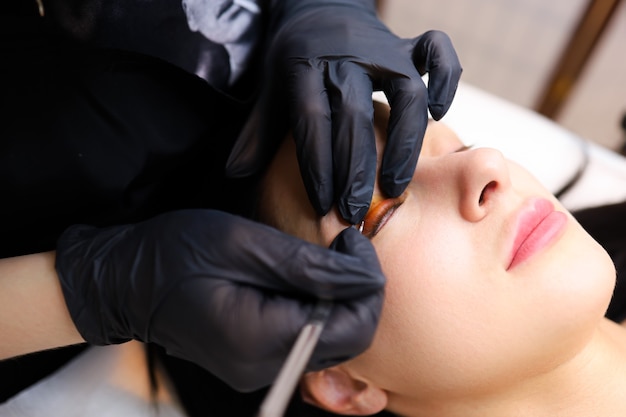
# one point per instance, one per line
(324, 61)
(221, 291)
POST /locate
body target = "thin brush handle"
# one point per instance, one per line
(278, 397)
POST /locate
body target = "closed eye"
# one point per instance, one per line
(463, 148)
(379, 214)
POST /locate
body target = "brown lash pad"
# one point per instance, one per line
(372, 217)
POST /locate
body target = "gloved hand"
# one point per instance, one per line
(224, 292)
(324, 61)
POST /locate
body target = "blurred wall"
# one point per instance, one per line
(509, 48)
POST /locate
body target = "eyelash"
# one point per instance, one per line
(380, 212)
(464, 148)
(378, 215)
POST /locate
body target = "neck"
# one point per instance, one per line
(591, 383)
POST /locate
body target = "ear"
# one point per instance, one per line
(335, 390)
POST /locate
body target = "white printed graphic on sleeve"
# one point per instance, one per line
(231, 23)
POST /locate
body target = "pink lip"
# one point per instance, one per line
(538, 225)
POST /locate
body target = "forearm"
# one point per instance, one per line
(33, 314)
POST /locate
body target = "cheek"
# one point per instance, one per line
(454, 320)
(573, 281)
(570, 287)
(434, 314)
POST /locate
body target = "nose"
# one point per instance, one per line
(483, 175)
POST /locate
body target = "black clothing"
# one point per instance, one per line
(215, 40)
(100, 137)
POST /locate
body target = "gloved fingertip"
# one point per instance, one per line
(356, 271)
(355, 201)
(440, 97)
(339, 243)
(320, 204)
(437, 111)
(351, 241)
(320, 196)
(392, 186)
(352, 213)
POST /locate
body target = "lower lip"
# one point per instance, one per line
(547, 231)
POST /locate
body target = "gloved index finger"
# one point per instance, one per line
(311, 124)
(354, 145)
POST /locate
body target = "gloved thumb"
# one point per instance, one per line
(363, 272)
(351, 326)
(348, 270)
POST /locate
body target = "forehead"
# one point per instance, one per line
(439, 140)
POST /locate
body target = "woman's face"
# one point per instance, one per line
(475, 299)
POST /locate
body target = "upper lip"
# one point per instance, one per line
(532, 212)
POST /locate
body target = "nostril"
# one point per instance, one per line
(488, 188)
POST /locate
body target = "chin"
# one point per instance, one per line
(606, 276)
(575, 297)
(586, 280)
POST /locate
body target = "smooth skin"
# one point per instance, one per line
(33, 313)
(461, 333)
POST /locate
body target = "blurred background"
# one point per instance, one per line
(563, 58)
